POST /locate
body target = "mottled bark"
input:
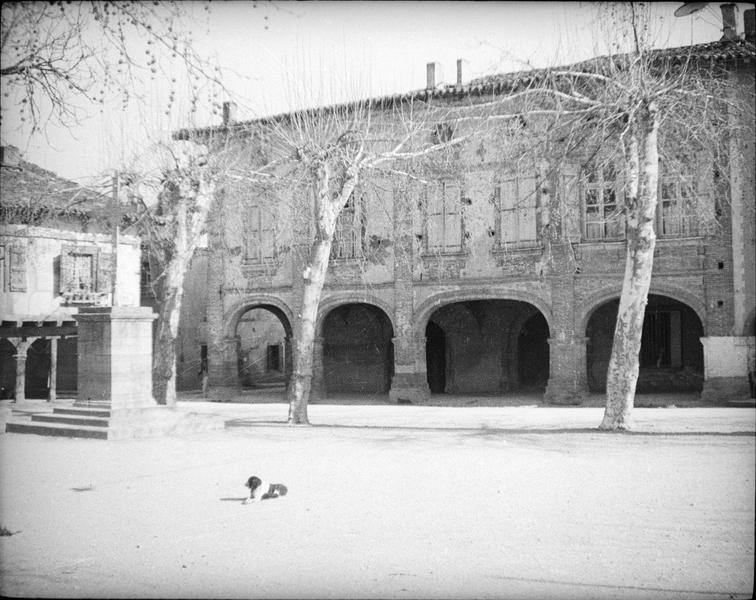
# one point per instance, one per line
(191, 219)
(622, 375)
(327, 208)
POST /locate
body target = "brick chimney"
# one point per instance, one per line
(749, 24)
(461, 69)
(433, 70)
(9, 156)
(229, 113)
(729, 22)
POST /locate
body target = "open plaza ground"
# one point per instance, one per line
(387, 501)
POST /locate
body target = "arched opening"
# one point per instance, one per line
(262, 349)
(487, 346)
(533, 354)
(7, 370)
(358, 354)
(671, 354)
(37, 382)
(435, 352)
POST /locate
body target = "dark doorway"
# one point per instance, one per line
(671, 355)
(358, 352)
(7, 370)
(37, 384)
(435, 356)
(533, 353)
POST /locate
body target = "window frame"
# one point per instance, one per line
(600, 185)
(254, 235)
(351, 223)
(432, 193)
(518, 177)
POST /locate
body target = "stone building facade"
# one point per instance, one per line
(56, 256)
(441, 287)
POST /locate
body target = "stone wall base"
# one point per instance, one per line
(725, 388)
(564, 394)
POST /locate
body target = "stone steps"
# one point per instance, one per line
(56, 429)
(97, 421)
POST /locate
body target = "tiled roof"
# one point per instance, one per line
(718, 51)
(40, 192)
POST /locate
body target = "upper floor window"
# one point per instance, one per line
(516, 198)
(602, 202)
(443, 218)
(259, 234)
(349, 235)
(85, 274)
(679, 196)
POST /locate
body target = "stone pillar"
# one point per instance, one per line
(726, 367)
(53, 370)
(567, 371)
(317, 384)
(409, 382)
(115, 356)
(22, 346)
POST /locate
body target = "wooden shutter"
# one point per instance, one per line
(17, 268)
(104, 272)
(526, 208)
(65, 280)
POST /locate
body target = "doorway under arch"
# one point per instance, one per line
(358, 352)
(486, 347)
(671, 354)
(38, 361)
(7, 369)
(262, 348)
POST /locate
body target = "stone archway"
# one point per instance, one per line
(671, 355)
(7, 369)
(263, 347)
(490, 346)
(357, 349)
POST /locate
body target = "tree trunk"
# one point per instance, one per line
(622, 375)
(188, 231)
(327, 209)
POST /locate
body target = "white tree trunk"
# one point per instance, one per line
(622, 375)
(188, 231)
(327, 209)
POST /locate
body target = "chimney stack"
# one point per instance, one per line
(229, 113)
(729, 22)
(461, 70)
(434, 75)
(749, 24)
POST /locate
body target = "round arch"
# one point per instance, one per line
(426, 309)
(595, 301)
(335, 300)
(272, 303)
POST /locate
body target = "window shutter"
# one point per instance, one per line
(17, 269)
(570, 203)
(527, 209)
(507, 199)
(66, 270)
(104, 272)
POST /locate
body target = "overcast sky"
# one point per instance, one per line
(320, 52)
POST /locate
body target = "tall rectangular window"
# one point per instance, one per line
(259, 234)
(677, 206)
(516, 198)
(443, 218)
(602, 199)
(81, 272)
(348, 238)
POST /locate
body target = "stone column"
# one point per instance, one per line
(317, 383)
(115, 356)
(409, 383)
(567, 371)
(726, 367)
(22, 346)
(52, 397)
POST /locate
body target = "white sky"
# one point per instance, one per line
(320, 52)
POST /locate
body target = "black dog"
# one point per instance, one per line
(261, 490)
